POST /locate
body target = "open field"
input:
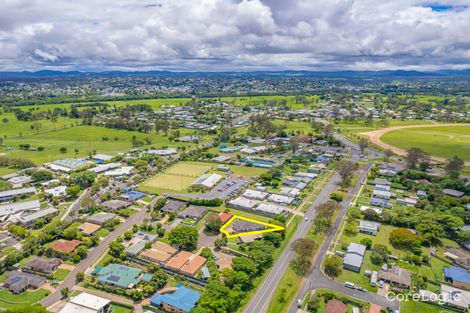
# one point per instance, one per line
(177, 178)
(440, 140)
(167, 182)
(85, 139)
(192, 169)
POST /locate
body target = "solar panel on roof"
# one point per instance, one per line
(113, 278)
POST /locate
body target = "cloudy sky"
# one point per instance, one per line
(218, 35)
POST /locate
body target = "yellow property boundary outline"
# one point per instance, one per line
(271, 228)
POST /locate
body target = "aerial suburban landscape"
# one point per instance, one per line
(234, 157)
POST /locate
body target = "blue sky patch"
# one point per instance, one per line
(436, 7)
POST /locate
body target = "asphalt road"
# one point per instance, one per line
(95, 254)
(317, 278)
(260, 301)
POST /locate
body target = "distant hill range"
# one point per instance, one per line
(338, 74)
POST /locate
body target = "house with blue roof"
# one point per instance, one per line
(182, 300)
(133, 195)
(459, 277)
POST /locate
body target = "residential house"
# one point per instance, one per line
(369, 227)
(42, 265)
(354, 257)
(396, 276)
(87, 303)
(182, 300)
(457, 276)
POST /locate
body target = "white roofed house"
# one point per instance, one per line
(255, 194)
(242, 203)
(280, 199)
(59, 191)
(271, 209)
(368, 227)
(87, 303)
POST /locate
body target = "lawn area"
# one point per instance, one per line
(245, 171)
(27, 297)
(119, 308)
(60, 274)
(85, 139)
(418, 306)
(445, 141)
(102, 232)
(163, 183)
(176, 178)
(193, 169)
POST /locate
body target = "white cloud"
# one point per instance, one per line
(232, 34)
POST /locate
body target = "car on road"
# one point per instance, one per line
(306, 218)
(349, 285)
(361, 289)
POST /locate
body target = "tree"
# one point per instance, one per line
(234, 278)
(245, 265)
(379, 254)
(73, 191)
(274, 238)
(304, 249)
(42, 175)
(388, 154)
(184, 236)
(5, 185)
(79, 277)
(413, 157)
(213, 224)
(63, 150)
(83, 179)
(64, 292)
(116, 249)
(454, 166)
(294, 143)
(218, 297)
(333, 266)
(367, 242)
(363, 144)
(404, 238)
(345, 169)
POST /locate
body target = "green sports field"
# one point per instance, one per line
(445, 141)
(177, 178)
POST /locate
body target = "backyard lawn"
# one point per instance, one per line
(9, 300)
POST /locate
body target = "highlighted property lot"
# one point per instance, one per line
(244, 226)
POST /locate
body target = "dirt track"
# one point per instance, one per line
(374, 137)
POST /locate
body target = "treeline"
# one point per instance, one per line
(17, 163)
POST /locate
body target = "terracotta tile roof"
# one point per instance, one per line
(65, 246)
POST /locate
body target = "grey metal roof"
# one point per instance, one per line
(15, 192)
(16, 207)
(39, 214)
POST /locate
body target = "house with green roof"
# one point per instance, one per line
(118, 275)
